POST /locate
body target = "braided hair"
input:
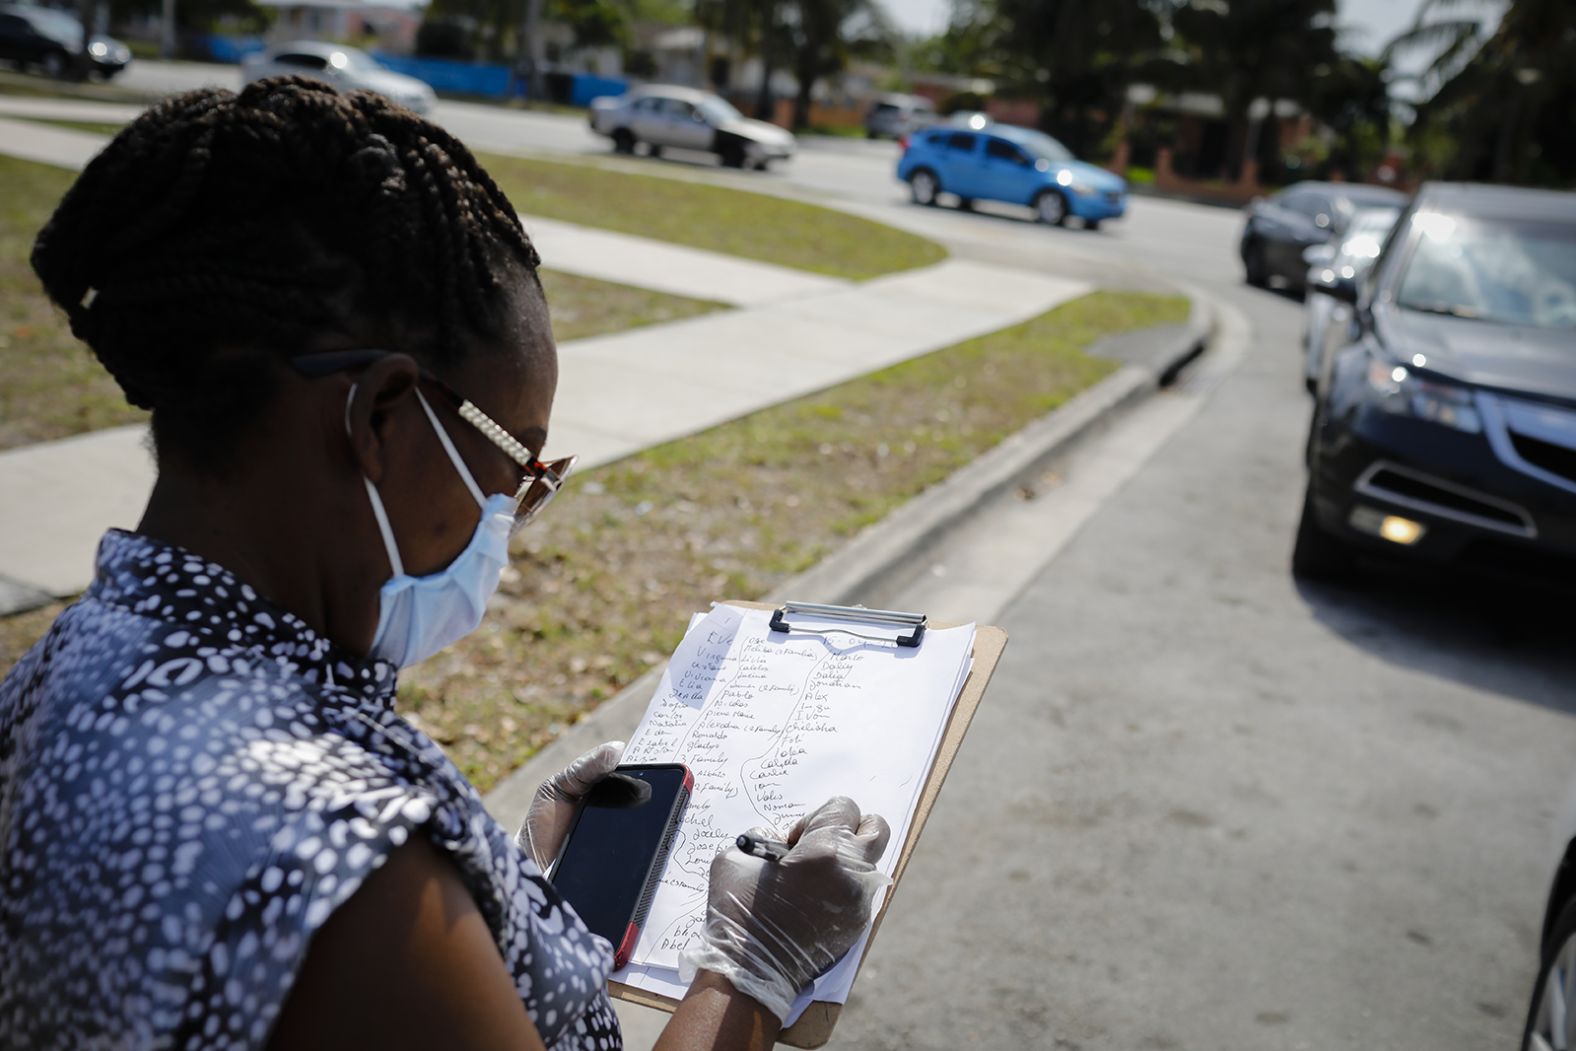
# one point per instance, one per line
(218, 232)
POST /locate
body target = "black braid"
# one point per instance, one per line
(218, 232)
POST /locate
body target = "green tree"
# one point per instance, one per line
(823, 34)
(1496, 99)
(1351, 97)
(1245, 50)
(1076, 58)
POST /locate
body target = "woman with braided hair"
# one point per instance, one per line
(215, 831)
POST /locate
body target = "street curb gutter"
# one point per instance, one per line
(884, 554)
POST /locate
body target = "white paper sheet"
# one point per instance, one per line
(772, 725)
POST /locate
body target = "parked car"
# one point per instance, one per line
(1350, 259)
(1551, 1015)
(1444, 423)
(685, 119)
(1000, 162)
(1281, 227)
(894, 116)
(346, 68)
(50, 40)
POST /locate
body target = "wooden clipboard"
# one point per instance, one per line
(814, 1027)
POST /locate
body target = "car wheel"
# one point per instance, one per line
(653, 150)
(1255, 271)
(1551, 1017)
(1051, 207)
(623, 140)
(923, 187)
(1091, 224)
(965, 204)
(1316, 554)
(733, 155)
(54, 64)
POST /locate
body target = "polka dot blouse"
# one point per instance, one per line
(191, 781)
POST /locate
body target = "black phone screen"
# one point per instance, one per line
(616, 847)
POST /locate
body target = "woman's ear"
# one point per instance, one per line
(379, 403)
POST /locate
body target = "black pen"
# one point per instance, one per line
(770, 849)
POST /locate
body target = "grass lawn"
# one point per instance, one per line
(36, 86)
(54, 387)
(718, 218)
(601, 587)
(96, 127)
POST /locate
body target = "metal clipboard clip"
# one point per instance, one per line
(854, 615)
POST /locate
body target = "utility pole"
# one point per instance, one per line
(531, 53)
(167, 30)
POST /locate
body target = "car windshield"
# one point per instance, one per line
(359, 61)
(1504, 271)
(57, 25)
(718, 111)
(1365, 237)
(1042, 145)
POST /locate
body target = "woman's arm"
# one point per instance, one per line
(409, 963)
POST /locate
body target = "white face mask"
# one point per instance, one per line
(418, 616)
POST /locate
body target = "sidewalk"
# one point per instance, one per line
(794, 334)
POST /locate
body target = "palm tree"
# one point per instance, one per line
(1077, 57)
(1496, 99)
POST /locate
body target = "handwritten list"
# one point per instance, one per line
(772, 725)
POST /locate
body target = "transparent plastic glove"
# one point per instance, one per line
(773, 927)
(553, 807)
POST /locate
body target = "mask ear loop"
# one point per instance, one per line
(378, 512)
(454, 455)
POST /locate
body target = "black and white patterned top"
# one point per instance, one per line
(191, 781)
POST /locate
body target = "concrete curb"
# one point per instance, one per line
(883, 554)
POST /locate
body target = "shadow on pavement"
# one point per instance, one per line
(1511, 638)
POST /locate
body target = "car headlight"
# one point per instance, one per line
(98, 49)
(1398, 390)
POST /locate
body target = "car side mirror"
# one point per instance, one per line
(1327, 281)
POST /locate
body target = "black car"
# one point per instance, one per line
(1444, 423)
(50, 40)
(1281, 227)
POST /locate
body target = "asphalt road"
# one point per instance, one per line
(1203, 806)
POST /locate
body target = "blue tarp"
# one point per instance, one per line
(463, 78)
(233, 48)
(588, 87)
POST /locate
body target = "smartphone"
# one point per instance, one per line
(612, 859)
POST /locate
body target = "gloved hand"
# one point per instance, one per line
(773, 927)
(553, 807)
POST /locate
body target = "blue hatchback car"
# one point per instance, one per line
(1001, 162)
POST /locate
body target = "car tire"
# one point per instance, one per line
(653, 150)
(54, 65)
(1051, 207)
(1091, 224)
(924, 187)
(1316, 554)
(732, 155)
(1255, 272)
(965, 204)
(1561, 954)
(623, 140)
